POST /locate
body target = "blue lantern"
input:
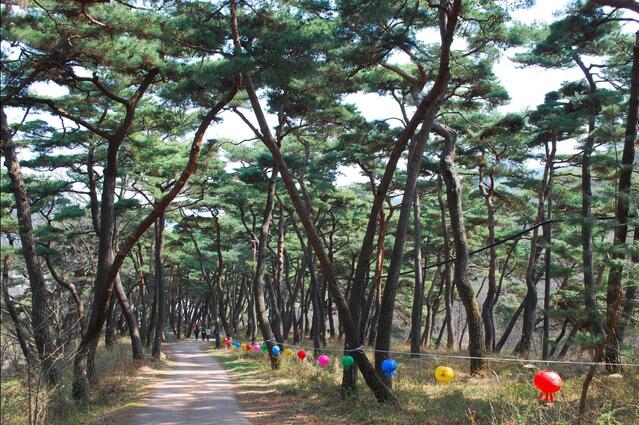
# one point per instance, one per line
(389, 366)
(275, 350)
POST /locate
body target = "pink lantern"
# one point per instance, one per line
(227, 342)
(323, 360)
(256, 347)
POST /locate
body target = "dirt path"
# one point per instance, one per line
(195, 390)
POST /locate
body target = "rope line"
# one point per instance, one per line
(461, 357)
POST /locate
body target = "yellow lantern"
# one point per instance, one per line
(243, 347)
(444, 374)
(288, 352)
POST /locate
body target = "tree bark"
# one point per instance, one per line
(487, 307)
(40, 317)
(21, 333)
(418, 291)
(613, 350)
(108, 265)
(159, 286)
(476, 345)
(448, 272)
(593, 319)
(548, 240)
(109, 328)
(268, 336)
(530, 301)
(131, 322)
(415, 156)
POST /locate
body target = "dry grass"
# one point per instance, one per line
(121, 382)
(304, 393)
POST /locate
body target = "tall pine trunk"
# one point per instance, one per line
(530, 301)
(40, 316)
(592, 319)
(270, 339)
(476, 344)
(159, 286)
(615, 286)
(418, 291)
(489, 301)
(448, 271)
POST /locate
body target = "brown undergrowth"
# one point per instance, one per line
(301, 392)
(121, 382)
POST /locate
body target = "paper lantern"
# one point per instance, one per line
(323, 360)
(264, 347)
(242, 346)
(548, 382)
(256, 348)
(444, 374)
(301, 354)
(248, 347)
(275, 350)
(389, 366)
(347, 362)
(227, 342)
(288, 352)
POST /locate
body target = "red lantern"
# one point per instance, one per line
(301, 354)
(548, 382)
(248, 347)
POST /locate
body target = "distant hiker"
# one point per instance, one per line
(218, 337)
(203, 333)
(208, 335)
(197, 332)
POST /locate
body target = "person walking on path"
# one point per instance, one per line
(197, 332)
(218, 337)
(203, 333)
(208, 334)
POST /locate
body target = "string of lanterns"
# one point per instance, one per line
(548, 382)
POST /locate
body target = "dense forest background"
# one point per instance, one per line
(449, 225)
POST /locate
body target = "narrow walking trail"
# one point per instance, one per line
(196, 390)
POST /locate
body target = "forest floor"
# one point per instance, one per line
(121, 382)
(301, 392)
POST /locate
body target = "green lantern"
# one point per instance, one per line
(347, 362)
(264, 347)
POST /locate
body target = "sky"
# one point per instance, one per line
(526, 87)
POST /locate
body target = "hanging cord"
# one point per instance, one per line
(437, 356)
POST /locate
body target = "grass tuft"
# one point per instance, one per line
(119, 386)
(302, 392)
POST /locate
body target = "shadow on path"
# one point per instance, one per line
(195, 390)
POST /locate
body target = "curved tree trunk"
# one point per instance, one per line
(489, 301)
(21, 332)
(476, 345)
(530, 302)
(447, 24)
(131, 322)
(270, 339)
(448, 271)
(108, 265)
(40, 317)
